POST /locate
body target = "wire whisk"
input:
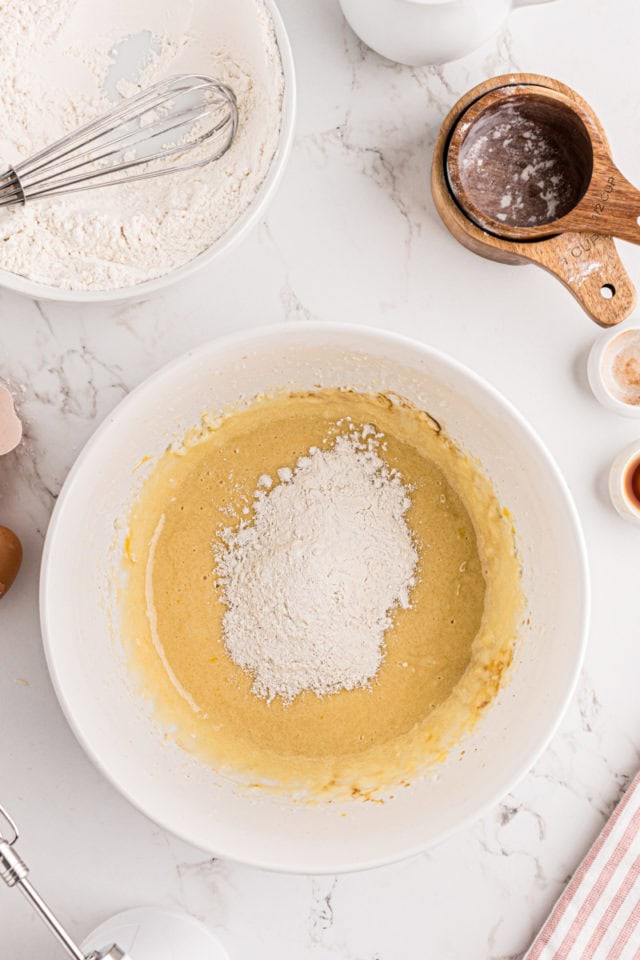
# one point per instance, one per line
(155, 130)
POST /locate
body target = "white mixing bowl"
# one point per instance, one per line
(224, 244)
(181, 793)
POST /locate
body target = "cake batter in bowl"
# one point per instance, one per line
(178, 788)
(321, 594)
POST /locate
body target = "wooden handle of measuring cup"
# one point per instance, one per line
(589, 266)
(610, 206)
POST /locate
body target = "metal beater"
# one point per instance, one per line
(145, 933)
(14, 872)
(163, 123)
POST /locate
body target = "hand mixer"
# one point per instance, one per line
(143, 934)
(148, 135)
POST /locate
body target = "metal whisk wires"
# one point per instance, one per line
(148, 135)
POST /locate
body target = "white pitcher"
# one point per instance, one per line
(419, 32)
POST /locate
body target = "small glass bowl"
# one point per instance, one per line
(621, 344)
(621, 487)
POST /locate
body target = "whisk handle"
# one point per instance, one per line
(14, 872)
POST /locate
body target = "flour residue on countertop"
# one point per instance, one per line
(62, 63)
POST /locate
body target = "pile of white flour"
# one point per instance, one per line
(311, 582)
(62, 62)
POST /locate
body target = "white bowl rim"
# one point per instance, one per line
(224, 244)
(247, 336)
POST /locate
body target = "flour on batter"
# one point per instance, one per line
(311, 580)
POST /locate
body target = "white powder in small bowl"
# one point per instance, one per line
(62, 62)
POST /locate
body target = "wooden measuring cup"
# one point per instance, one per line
(585, 261)
(547, 149)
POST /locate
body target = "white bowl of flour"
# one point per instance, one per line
(79, 602)
(65, 61)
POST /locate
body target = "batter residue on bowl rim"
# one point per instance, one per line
(444, 657)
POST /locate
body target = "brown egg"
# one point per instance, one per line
(10, 558)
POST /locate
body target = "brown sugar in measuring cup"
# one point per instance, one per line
(522, 173)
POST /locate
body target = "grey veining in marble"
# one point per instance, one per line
(352, 235)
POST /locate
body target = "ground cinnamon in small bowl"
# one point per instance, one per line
(621, 367)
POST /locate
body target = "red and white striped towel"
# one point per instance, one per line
(597, 916)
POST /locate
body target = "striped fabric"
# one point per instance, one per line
(597, 916)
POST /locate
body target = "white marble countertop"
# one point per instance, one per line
(352, 235)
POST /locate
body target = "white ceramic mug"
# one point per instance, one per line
(418, 32)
